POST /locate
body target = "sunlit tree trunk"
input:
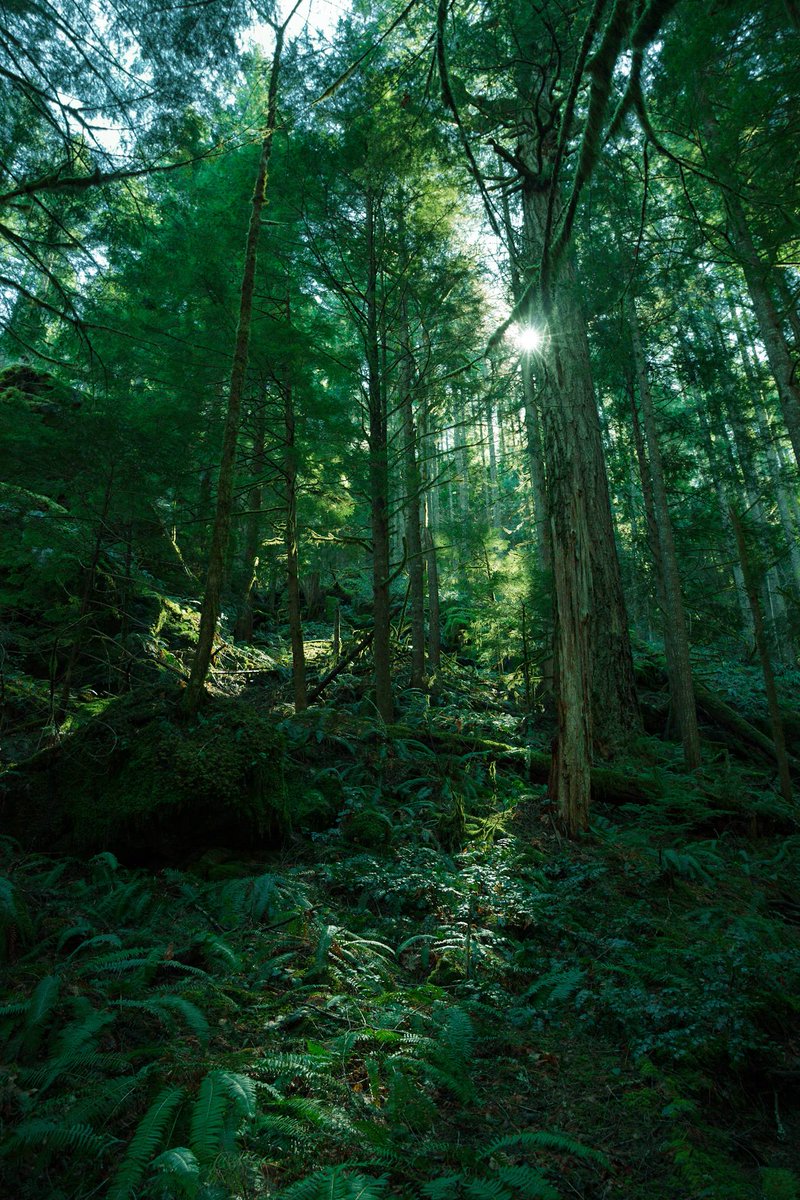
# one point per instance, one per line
(596, 695)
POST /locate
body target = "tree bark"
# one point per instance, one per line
(377, 437)
(292, 555)
(243, 629)
(776, 721)
(756, 273)
(676, 644)
(596, 696)
(413, 491)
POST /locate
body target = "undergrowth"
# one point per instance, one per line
(434, 999)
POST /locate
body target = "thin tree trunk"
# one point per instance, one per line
(243, 629)
(784, 369)
(292, 556)
(379, 480)
(86, 603)
(220, 534)
(429, 546)
(776, 720)
(413, 491)
(679, 671)
(723, 500)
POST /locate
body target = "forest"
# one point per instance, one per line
(400, 584)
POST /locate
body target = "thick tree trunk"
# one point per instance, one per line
(536, 464)
(577, 483)
(679, 669)
(596, 697)
(220, 534)
(378, 479)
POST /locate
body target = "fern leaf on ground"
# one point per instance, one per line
(147, 1139)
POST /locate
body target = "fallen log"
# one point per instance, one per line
(609, 785)
(336, 670)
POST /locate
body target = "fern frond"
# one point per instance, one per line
(163, 1006)
(181, 1167)
(51, 1137)
(542, 1139)
(333, 1183)
(146, 1141)
(219, 1091)
(528, 1183)
(42, 1003)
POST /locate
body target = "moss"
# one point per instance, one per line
(368, 827)
(141, 778)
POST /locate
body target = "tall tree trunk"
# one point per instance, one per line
(493, 511)
(776, 719)
(378, 479)
(220, 533)
(413, 491)
(86, 603)
(756, 273)
(536, 464)
(594, 659)
(292, 556)
(679, 671)
(428, 477)
(243, 629)
(651, 524)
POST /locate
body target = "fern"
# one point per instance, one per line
(163, 1006)
(180, 1166)
(42, 1002)
(51, 1137)
(219, 1092)
(146, 1141)
(334, 1183)
(542, 1139)
(15, 919)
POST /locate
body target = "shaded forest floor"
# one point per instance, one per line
(415, 988)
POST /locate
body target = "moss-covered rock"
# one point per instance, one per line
(368, 827)
(141, 779)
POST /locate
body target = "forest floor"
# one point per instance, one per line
(429, 994)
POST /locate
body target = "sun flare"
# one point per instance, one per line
(527, 338)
